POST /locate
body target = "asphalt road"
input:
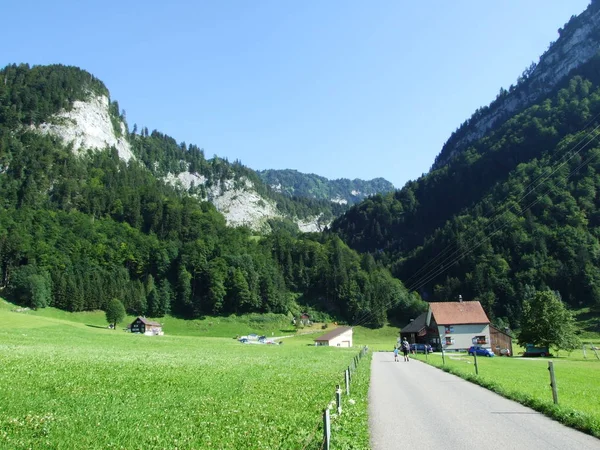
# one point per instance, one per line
(416, 406)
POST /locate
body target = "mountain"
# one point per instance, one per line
(87, 122)
(90, 212)
(578, 43)
(511, 205)
(343, 191)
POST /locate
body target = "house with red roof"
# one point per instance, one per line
(457, 325)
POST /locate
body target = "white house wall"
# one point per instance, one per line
(344, 340)
(463, 335)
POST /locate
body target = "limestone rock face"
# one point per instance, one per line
(88, 126)
(239, 202)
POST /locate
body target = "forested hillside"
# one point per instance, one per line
(518, 210)
(79, 230)
(343, 191)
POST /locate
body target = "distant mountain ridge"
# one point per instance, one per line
(343, 190)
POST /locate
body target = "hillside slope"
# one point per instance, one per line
(90, 214)
(514, 211)
(579, 42)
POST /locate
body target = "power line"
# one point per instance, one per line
(452, 258)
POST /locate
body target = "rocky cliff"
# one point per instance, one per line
(87, 126)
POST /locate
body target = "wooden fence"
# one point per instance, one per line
(327, 416)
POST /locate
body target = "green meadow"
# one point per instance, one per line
(527, 381)
(69, 382)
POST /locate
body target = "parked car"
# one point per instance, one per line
(421, 348)
(244, 340)
(532, 350)
(480, 351)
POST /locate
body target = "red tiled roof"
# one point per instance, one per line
(333, 334)
(458, 313)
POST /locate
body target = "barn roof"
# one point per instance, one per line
(333, 334)
(416, 325)
(149, 322)
(458, 313)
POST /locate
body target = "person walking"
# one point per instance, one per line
(396, 354)
(405, 350)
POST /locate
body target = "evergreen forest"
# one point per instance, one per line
(514, 212)
(77, 231)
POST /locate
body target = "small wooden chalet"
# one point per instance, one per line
(145, 326)
(500, 340)
(417, 332)
(458, 325)
(340, 337)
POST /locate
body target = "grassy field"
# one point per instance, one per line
(527, 380)
(69, 382)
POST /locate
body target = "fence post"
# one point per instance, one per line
(443, 357)
(347, 379)
(553, 382)
(595, 352)
(338, 398)
(584, 355)
(326, 429)
(475, 359)
(349, 374)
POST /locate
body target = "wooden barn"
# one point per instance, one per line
(145, 326)
(501, 342)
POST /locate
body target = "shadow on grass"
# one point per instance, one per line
(97, 326)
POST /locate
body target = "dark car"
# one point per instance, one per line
(421, 348)
(480, 351)
(532, 350)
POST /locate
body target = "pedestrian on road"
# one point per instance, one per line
(396, 354)
(405, 350)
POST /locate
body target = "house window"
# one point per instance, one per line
(449, 329)
(481, 340)
(449, 340)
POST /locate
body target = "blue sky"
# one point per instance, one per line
(340, 88)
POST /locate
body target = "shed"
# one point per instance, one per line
(416, 331)
(145, 326)
(500, 340)
(340, 337)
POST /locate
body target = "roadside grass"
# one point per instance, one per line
(527, 381)
(351, 429)
(69, 382)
